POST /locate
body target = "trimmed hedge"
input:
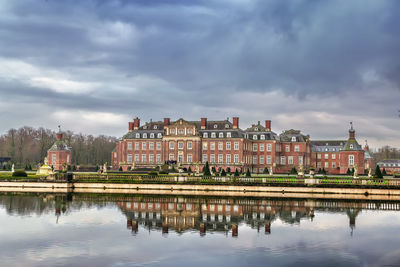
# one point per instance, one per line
(19, 173)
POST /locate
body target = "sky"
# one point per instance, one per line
(94, 65)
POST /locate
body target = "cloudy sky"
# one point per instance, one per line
(92, 66)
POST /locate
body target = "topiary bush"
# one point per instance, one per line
(20, 173)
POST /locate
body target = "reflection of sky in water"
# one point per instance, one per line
(97, 236)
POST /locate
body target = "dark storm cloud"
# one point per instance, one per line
(186, 57)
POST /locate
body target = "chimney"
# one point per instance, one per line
(166, 121)
(268, 125)
(130, 126)
(235, 122)
(136, 123)
(203, 124)
(352, 132)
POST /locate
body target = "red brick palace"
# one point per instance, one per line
(224, 145)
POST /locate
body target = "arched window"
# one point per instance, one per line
(254, 137)
(159, 135)
(262, 137)
(228, 134)
(145, 135)
(221, 135)
(152, 135)
(213, 135)
(137, 135)
(205, 135)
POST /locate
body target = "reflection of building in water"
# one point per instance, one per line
(220, 215)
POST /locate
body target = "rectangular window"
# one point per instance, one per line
(236, 146)
(220, 158)
(269, 147)
(326, 156)
(151, 145)
(136, 157)
(254, 147)
(300, 160)
(136, 145)
(144, 158)
(287, 148)
(212, 146)
(69, 159)
(205, 146)
(318, 164)
(254, 159)
(290, 160)
(129, 159)
(283, 160)
(351, 160)
(189, 145)
(333, 156)
(220, 146)
(326, 164)
(171, 157)
(180, 158)
(318, 156)
(228, 158)
(205, 158)
(129, 145)
(228, 145)
(212, 158)
(189, 158)
(296, 148)
(151, 158)
(171, 145)
(144, 146)
(333, 165)
(269, 159)
(158, 158)
(261, 159)
(158, 145)
(54, 159)
(261, 147)
(236, 158)
(180, 145)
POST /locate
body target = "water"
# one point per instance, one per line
(135, 230)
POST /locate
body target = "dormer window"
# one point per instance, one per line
(172, 131)
(138, 135)
(221, 135)
(228, 134)
(262, 137)
(205, 135)
(293, 138)
(213, 135)
(145, 135)
(155, 127)
(351, 146)
(145, 127)
(326, 149)
(254, 137)
(256, 129)
(159, 135)
(215, 126)
(152, 135)
(226, 126)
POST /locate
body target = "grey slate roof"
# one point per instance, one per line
(287, 135)
(59, 145)
(327, 145)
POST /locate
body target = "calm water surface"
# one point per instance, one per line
(146, 230)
